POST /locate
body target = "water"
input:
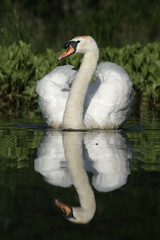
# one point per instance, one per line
(111, 178)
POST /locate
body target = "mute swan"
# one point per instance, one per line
(63, 158)
(104, 104)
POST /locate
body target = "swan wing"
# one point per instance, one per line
(51, 162)
(109, 99)
(108, 155)
(53, 90)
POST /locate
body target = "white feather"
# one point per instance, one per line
(53, 91)
(109, 98)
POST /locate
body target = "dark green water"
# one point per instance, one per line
(123, 173)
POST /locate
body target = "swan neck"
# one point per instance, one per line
(73, 115)
(72, 142)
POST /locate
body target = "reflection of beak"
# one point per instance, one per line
(70, 50)
(66, 210)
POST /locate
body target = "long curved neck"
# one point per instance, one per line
(74, 155)
(73, 115)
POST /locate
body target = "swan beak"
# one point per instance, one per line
(65, 209)
(70, 50)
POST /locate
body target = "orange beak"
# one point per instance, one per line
(66, 210)
(70, 50)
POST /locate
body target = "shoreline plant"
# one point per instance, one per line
(21, 68)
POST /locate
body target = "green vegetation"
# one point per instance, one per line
(28, 28)
(47, 24)
(20, 68)
(31, 33)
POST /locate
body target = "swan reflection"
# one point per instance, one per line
(63, 158)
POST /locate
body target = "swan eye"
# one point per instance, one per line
(67, 49)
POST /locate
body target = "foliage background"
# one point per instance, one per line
(48, 24)
(34, 32)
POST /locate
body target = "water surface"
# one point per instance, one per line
(118, 172)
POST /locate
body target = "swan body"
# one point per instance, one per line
(63, 158)
(105, 104)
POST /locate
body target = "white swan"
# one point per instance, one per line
(63, 158)
(104, 104)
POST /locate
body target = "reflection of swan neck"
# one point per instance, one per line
(73, 115)
(74, 156)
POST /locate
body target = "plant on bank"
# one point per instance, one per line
(20, 68)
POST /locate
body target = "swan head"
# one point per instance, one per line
(75, 214)
(79, 44)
